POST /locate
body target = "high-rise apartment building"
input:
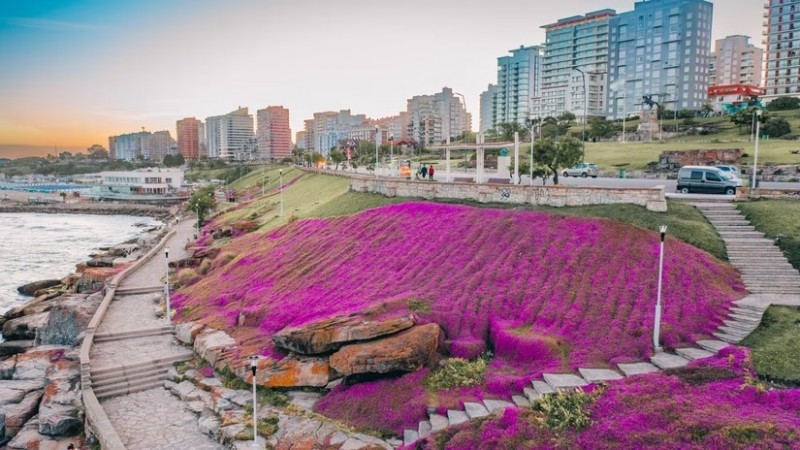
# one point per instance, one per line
(782, 41)
(487, 109)
(575, 65)
(189, 132)
(330, 128)
(230, 136)
(141, 145)
(518, 81)
(395, 126)
(159, 144)
(735, 61)
(434, 118)
(300, 140)
(660, 49)
(273, 134)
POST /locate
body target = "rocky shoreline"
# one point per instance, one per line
(40, 380)
(105, 209)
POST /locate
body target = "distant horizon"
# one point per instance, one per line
(78, 71)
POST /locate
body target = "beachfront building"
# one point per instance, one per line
(486, 119)
(518, 81)
(142, 145)
(273, 135)
(735, 61)
(660, 49)
(781, 36)
(434, 119)
(149, 185)
(575, 65)
(230, 136)
(330, 128)
(188, 131)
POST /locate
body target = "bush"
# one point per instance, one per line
(458, 372)
(776, 127)
(784, 104)
(566, 409)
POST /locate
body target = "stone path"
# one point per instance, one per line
(130, 358)
(766, 273)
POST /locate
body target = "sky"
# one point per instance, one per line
(73, 72)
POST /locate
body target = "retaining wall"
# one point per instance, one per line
(558, 196)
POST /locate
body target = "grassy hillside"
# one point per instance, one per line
(777, 218)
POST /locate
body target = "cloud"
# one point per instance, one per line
(50, 25)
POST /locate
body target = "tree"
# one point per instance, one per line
(776, 127)
(169, 160)
(745, 118)
(567, 119)
(337, 157)
(179, 160)
(201, 202)
(601, 128)
(784, 104)
(554, 154)
(97, 151)
(505, 131)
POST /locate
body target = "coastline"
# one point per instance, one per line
(106, 209)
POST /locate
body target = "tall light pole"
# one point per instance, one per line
(533, 141)
(657, 327)
(391, 155)
(197, 209)
(585, 108)
(253, 366)
(377, 131)
(263, 181)
(280, 174)
(753, 185)
(464, 100)
(166, 285)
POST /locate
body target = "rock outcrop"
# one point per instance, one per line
(68, 318)
(405, 352)
(60, 413)
(24, 327)
(292, 371)
(31, 288)
(332, 334)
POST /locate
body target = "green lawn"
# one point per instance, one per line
(776, 345)
(774, 218)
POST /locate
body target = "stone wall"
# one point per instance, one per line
(558, 196)
(753, 194)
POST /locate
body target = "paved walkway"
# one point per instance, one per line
(151, 418)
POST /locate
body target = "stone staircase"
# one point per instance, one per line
(764, 270)
(137, 375)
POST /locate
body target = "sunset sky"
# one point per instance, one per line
(73, 72)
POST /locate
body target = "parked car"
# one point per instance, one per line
(705, 180)
(733, 172)
(582, 170)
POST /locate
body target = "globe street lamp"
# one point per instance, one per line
(253, 366)
(166, 285)
(657, 327)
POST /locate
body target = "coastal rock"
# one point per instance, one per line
(206, 252)
(122, 250)
(212, 345)
(102, 261)
(302, 432)
(68, 318)
(331, 334)
(17, 414)
(39, 304)
(187, 332)
(31, 288)
(60, 413)
(292, 371)
(33, 364)
(407, 352)
(13, 347)
(24, 327)
(30, 438)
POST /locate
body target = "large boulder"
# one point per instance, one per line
(187, 332)
(31, 288)
(405, 352)
(33, 364)
(24, 327)
(13, 347)
(68, 318)
(297, 431)
(292, 371)
(214, 345)
(331, 334)
(36, 305)
(30, 438)
(61, 413)
(16, 414)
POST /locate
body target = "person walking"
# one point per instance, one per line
(424, 171)
(430, 172)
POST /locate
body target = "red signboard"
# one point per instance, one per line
(735, 89)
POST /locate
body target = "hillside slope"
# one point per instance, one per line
(543, 291)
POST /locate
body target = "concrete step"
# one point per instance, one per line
(103, 388)
(775, 291)
(727, 338)
(139, 290)
(542, 388)
(665, 360)
(130, 389)
(712, 345)
(745, 327)
(631, 369)
(474, 410)
(456, 417)
(438, 422)
(756, 321)
(564, 380)
(747, 312)
(521, 401)
(114, 377)
(694, 353)
(496, 406)
(735, 228)
(735, 332)
(169, 359)
(410, 437)
(531, 394)
(109, 337)
(740, 234)
(599, 375)
(424, 428)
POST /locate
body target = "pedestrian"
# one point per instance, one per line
(71, 447)
(423, 171)
(430, 171)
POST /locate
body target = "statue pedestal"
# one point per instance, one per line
(648, 123)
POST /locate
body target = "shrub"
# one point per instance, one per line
(267, 426)
(457, 372)
(776, 127)
(565, 409)
(784, 104)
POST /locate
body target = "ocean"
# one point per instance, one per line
(48, 246)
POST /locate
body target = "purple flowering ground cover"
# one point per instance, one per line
(711, 405)
(543, 292)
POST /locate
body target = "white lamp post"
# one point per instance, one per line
(533, 141)
(166, 285)
(391, 155)
(657, 327)
(197, 209)
(753, 185)
(263, 181)
(253, 366)
(377, 132)
(280, 173)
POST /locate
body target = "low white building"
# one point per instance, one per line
(144, 184)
